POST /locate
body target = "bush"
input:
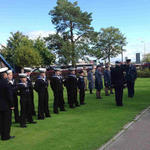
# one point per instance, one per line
(143, 73)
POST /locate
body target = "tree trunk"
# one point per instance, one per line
(73, 46)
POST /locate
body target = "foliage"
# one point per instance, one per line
(110, 43)
(25, 56)
(146, 58)
(144, 73)
(74, 29)
(47, 56)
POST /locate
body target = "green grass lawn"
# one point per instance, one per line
(85, 128)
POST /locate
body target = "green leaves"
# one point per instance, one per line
(73, 28)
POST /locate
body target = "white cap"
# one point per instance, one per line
(22, 75)
(42, 70)
(27, 69)
(3, 69)
(9, 71)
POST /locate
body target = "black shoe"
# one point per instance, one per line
(77, 105)
(48, 116)
(62, 109)
(72, 107)
(11, 137)
(33, 122)
(40, 118)
(23, 126)
(56, 112)
(82, 103)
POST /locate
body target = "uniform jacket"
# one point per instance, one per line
(41, 84)
(6, 100)
(81, 83)
(117, 76)
(56, 83)
(90, 79)
(107, 78)
(131, 73)
(98, 80)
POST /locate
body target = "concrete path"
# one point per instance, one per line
(135, 137)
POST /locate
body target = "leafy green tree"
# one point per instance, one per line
(25, 56)
(146, 57)
(73, 27)
(15, 40)
(109, 44)
(47, 56)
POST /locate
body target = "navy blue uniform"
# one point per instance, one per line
(25, 103)
(6, 103)
(13, 86)
(71, 85)
(91, 80)
(57, 87)
(130, 77)
(81, 86)
(41, 87)
(117, 80)
(32, 95)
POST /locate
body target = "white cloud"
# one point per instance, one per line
(40, 33)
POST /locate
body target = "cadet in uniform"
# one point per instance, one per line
(23, 90)
(81, 87)
(6, 106)
(107, 80)
(117, 80)
(130, 77)
(71, 85)
(13, 86)
(98, 82)
(41, 87)
(57, 87)
(91, 80)
(28, 71)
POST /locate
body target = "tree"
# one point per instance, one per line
(110, 43)
(47, 56)
(25, 56)
(74, 29)
(146, 57)
(15, 40)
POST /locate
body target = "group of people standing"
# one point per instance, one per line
(114, 78)
(117, 77)
(10, 89)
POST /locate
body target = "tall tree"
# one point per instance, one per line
(73, 26)
(47, 56)
(110, 43)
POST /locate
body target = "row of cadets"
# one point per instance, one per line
(57, 87)
(41, 87)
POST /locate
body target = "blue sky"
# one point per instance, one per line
(31, 17)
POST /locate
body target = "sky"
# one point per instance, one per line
(31, 17)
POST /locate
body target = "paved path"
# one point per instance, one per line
(136, 137)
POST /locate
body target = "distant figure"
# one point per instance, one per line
(91, 80)
(81, 87)
(117, 80)
(130, 77)
(98, 82)
(107, 80)
(85, 77)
